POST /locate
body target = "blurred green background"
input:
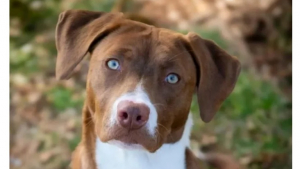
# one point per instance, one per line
(254, 124)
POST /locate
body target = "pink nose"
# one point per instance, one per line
(132, 115)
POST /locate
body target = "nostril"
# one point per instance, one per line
(139, 118)
(124, 115)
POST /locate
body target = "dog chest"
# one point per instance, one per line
(112, 157)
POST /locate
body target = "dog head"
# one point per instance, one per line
(141, 78)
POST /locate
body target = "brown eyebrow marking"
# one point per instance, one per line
(126, 52)
(123, 52)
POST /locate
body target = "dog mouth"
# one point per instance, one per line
(135, 139)
(128, 140)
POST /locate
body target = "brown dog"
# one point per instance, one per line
(139, 89)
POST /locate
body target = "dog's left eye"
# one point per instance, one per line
(172, 78)
(113, 64)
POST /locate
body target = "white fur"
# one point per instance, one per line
(169, 156)
(137, 96)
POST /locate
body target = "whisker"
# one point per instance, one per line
(160, 104)
(166, 129)
(157, 137)
(163, 127)
(174, 57)
(89, 122)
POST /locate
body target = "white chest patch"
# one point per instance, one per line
(169, 156)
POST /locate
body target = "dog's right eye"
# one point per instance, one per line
(172, 78)
(113, 64)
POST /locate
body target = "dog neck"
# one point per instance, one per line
(170, 155)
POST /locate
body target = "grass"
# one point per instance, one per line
(74, 142)
(62, 98)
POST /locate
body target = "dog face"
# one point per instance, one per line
(141, 78)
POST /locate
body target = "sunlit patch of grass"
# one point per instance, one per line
(22, 60)
(62, 98)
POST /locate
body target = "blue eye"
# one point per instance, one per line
(113, 64)
(172, 78)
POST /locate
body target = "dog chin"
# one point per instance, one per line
(127, 146)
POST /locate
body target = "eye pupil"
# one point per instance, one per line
(172, 78)
(113, 64)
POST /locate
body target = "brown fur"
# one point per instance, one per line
(147, 54)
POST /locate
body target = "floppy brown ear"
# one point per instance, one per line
(76, 31)
(217, 74)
